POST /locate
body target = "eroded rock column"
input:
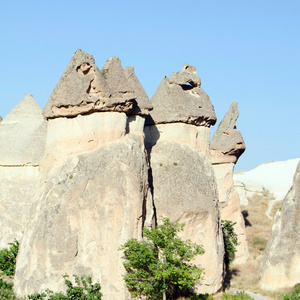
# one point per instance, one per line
(181, 174)
(227, 146)
(22, 145)
(280, 266)
(93, 181)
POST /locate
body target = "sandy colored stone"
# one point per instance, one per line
(184, 190)
(175, 101)
(226, 147)
(23, 134)
(196, 137)
(143, 103)
(84, 89)
(230, 208)
(280, 266)
(90, 202)
(227, 144)
(22, 145)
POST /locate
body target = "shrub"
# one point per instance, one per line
(83, 290)
(161, 263)
(230, 241)
(8, 259)
(294, 294)
(238, 296)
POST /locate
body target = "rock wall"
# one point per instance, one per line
(22, 144)
(227, 145)
(182, 179)
(280, 267)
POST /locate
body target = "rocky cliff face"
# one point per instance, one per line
(103, 175)
(226, 147)
(183, 184)
(93, 181)
(281, 260)
(22, 145)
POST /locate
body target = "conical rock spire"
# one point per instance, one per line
(84, 89)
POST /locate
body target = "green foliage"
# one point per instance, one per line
(103, 73)
(237, 296)
(260, 243)
(8, 259)
(7, 293)
(161, 263)
(83, 290)
(294, 294)
(230, 241)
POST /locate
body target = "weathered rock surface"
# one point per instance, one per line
(23, 134)
(281, 261)
(93, 186)
(84, 89)
(22, 145)
(182, 179)
(226, 147)
(180, 99)
(227, 144)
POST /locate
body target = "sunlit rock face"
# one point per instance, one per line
(280, 267)
(93, 181)
(227, 145)
(22, 145)
(181, 175)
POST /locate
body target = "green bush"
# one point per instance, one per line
(294, 294)
(8, 259)
(260, 243)
(83, 290)
(161, 263)
(230, 241)
(238, 296)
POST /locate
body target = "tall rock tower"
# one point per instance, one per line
(182, 179)
(94, 183)
(22, 146)
(280, 266)
(227, 145)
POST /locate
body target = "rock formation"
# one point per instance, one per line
(281, 261)
(22, 144)
(103, 175)
(182, 180)
(227, 145)
(94, 181)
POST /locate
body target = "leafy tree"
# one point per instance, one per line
(161, 263)
(8, 259)
(230, 241)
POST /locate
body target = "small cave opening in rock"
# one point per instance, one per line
(187, 86)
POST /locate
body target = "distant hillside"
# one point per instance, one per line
(275, 177)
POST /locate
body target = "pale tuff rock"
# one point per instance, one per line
(181, 177)
(227, 144)
(184, 190)
(23, 134)
(143, 103)
(92, 191)
(226, 147)
(84, 89)
(230, 208)
(280, 267)
(22, 145)
(180, 99)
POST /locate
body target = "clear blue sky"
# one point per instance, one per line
(244, 51)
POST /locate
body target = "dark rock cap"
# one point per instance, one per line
(227, 144)
(180, 99)
(84, 89)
